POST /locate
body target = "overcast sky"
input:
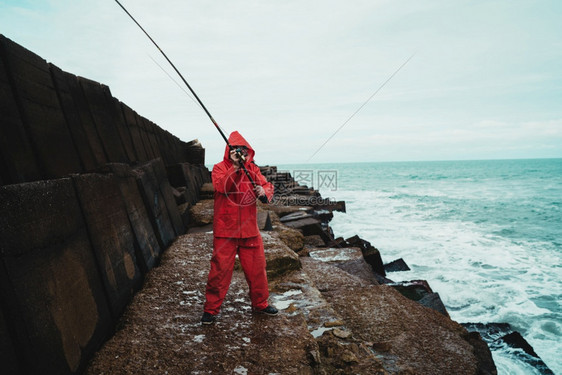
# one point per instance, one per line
(485, 80)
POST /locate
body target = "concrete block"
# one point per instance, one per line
(154, 202)
(112, 237)
(54, 300)
(166, 190)
(16, 154)
(151, 130)
(85, 118)
(70, 110)
(131, 121)
(148, 248)
(101, 110)
(122, 127)
(40, 109)
(150, 151)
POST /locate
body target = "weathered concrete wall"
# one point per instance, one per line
(55, 123)
(86, 210)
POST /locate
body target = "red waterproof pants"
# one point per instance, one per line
(252, 258)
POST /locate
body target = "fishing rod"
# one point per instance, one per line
(241, 157)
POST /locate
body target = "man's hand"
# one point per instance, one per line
(260, 191)
(235, 158)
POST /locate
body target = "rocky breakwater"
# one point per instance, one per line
(338, 315)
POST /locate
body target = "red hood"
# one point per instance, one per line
(236, 139)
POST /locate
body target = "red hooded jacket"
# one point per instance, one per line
(235, 200)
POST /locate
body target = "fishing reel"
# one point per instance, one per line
(242, 153)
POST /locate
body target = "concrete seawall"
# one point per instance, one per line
(86, 210)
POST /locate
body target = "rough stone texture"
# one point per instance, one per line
(84, 116)
(348, 259)
(279, 257)
(51, 293)
(410, 337)
(147, 247)
(340, 353)
(161, 332)
(396, 266)
(112, 237)
(120, 122)
(131, 121)
(207, 191)
(70, 111)
(101, 111)
(154, 202)
(202, 213)
(264, 221)
(40, 109)
(286, 210)
(17, 160)
(370, 253)
(314, 240)
(433, 301)
(291, 237)
(157, 166)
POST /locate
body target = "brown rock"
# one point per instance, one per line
(202, 213)
(419, 338)
(279, 257)
(314, 240)
(333, 323)
(291, 237)
(342, 334)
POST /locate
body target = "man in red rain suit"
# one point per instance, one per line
(236, 230)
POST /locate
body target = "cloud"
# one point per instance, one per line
(288, 74)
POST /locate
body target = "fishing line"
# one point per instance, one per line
(362, 105)
(262, 198)
(176, 82)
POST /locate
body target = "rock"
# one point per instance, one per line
(341, 333)
(334, 255)
(344, 358)
(317, 203)
(291, 237)
(323, 215)
(309, 226)
(338, 242)
(179, 196)
(483, 354)
(414, 289)
(516, 341)
(414, 337)
(359, 268)
(370, 253)
(264, 222)
(279, 257)
(183, 209)
(314, 240)
(295, 216)
(334, 323)
(499, 334)
(286, 210)
(207, 191)
(433, 301)
(202, 213)
(396, 265)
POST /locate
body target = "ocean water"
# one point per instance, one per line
(487, 235)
